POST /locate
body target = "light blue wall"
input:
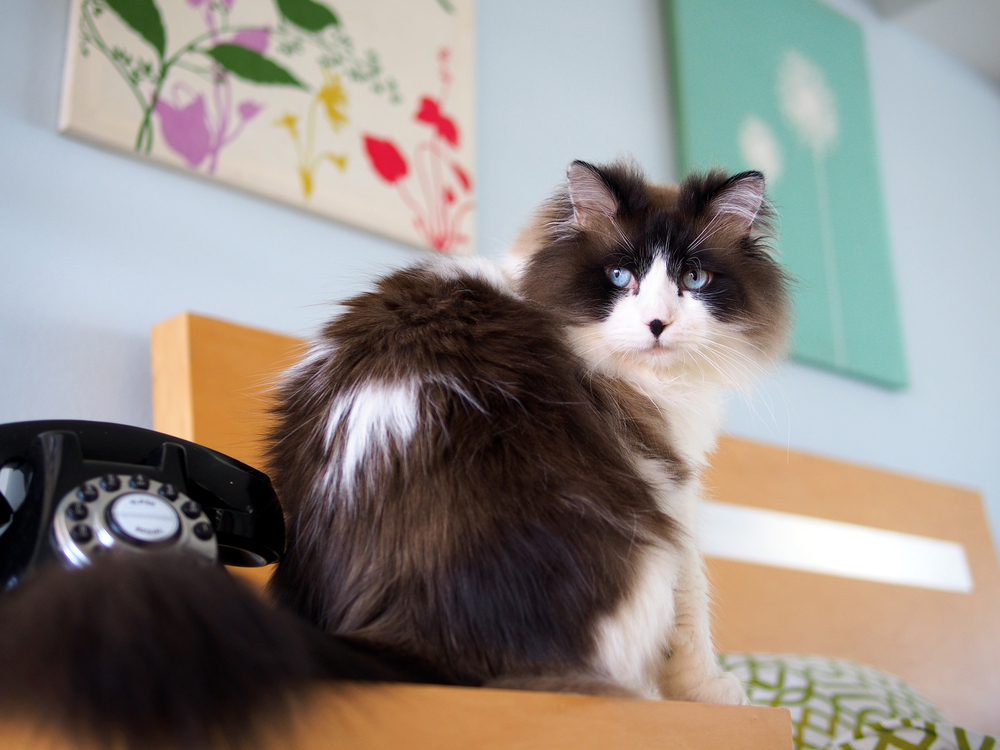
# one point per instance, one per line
(96, 247)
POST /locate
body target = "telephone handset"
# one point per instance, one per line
(72, 490)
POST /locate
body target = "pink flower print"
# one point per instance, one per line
(444, 63)
(194, 131)
(386, 159)
(463, 178)
(253, 39)
(442, 189)
(248, 109)
(430, 113)
(438, 214)
(185, 129)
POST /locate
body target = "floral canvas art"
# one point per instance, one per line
(360, 111)
(781, 86)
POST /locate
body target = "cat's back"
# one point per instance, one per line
(444, 460)
(445, 317)
(446, 346)
(441, 373)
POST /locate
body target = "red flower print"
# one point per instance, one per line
(439, 195)
(430, 113)
(386, 159)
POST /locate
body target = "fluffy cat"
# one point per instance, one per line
(490, 478)
(498, 472)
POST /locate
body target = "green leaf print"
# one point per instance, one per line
(144, 18)
(308, 15)
(251, 65)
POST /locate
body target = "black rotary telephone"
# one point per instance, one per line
(74, 490)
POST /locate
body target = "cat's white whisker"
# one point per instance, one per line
(626, 240)
(707, 232)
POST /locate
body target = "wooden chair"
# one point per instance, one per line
(211, 381)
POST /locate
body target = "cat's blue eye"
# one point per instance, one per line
(620, 277)
(696, 279)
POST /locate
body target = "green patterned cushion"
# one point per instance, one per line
(913, 734)
(838, 704)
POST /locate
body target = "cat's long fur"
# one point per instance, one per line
(162, 651)
(491, 476)
(500, 475)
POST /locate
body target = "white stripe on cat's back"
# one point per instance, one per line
(370, 418)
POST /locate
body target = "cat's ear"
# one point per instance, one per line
(589, 193)
(740, 202)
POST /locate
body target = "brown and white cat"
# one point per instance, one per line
(490, 477)
(498, 472)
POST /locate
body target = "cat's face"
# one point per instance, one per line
(672, 279)
(651, 312)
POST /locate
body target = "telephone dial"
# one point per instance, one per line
(74, 490)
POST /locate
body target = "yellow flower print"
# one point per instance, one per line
(334, 98)
(337, 160)
(306, 176)
(291, 122)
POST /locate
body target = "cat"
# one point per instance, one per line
(496, 470)
(490, 475)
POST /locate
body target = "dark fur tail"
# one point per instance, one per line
(158, 650)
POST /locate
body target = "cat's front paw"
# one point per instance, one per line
(725, 688)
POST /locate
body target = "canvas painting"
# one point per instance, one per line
(361, 111)
(781, 86)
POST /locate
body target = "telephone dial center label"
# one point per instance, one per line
(145, 517)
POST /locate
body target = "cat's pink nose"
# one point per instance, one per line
(656, 327)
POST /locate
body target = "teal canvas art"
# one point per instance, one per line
(781, 86)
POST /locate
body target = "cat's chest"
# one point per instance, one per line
(695, 420)
(688, 422)
(690, 417)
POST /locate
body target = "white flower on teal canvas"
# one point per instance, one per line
(807, 101)
(809, 106)
(781, 86)
(761, 149)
